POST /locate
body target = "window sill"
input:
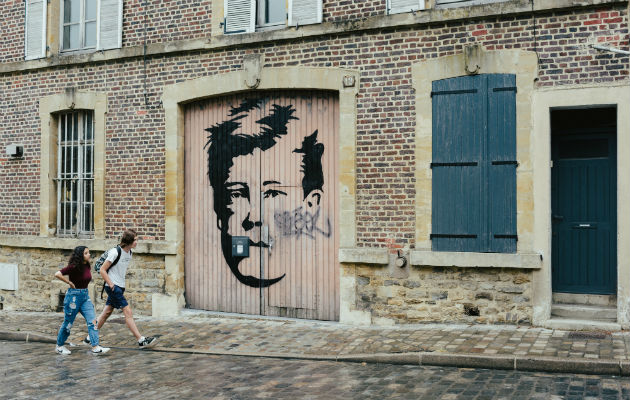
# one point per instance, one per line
(144, 247)
(475, 260)
(364, 255)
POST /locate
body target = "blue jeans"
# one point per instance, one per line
(77, 301)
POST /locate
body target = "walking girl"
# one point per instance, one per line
(78, 275)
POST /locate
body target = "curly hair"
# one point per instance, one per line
(77, 259)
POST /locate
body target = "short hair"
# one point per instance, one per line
(128, 236)
(223, 146)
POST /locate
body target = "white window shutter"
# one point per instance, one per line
(35, 41)
(304, 12)
(403, 6)
(109, 24)
(239, 16)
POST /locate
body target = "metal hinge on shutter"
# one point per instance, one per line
(453, 164)
(452, 236)
(505, 89)
(515, 237)
(515, 163)
(453, 92)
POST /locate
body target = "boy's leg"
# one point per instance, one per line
(70, 311)
(131, 324)
(107, 311)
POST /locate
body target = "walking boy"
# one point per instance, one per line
(115, 286)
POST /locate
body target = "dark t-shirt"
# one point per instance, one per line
(80, 276)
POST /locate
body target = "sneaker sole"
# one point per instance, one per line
(148, 345)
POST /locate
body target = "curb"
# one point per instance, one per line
(497, 361)
(26, 337)
(515, 363)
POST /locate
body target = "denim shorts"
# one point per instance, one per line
(115, 297)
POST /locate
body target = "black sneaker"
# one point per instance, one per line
(147, 342)
(87, 341)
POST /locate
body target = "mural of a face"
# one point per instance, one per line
(242, 196)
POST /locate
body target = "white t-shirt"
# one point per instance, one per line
(117, 272)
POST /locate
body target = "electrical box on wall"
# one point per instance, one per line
(15, 150)
(240, 246)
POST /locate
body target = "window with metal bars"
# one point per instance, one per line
(75, 175)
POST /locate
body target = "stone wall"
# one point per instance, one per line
(38, 289)
(441, 294)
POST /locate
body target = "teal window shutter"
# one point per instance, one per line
(474, 164)
(458, 134)
(502, 163)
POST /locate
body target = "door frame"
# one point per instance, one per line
(174, 98)
(543, 102)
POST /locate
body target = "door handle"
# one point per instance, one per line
(556, 217)
(265, 237)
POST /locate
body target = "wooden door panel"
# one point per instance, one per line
(263, 166)
(584, 216)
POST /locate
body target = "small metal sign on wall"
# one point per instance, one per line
(261, 204)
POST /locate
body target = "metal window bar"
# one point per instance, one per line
(75, 179)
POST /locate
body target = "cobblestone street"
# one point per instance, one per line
(33, 371)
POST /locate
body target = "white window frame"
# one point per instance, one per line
(82, 22)
(75, 188)
(261, 9)
(394, 9)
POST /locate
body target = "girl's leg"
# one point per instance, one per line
(70, 310)
(87, 310)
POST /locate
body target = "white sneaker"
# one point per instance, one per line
(100, 350)
(62, 350)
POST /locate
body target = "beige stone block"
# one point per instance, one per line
(385, 292)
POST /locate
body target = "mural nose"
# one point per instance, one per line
(248, 224)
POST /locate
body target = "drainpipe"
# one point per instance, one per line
(611, 49)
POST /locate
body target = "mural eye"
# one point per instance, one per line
(235, 194)
(273, 193)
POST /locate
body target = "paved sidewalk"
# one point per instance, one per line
(504, 347)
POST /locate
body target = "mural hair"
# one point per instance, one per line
(224, 145)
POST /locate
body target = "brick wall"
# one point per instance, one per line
(11, 30)
(385, 122)
(340, 10)
(165, 21)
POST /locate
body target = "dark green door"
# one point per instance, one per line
(584, 213)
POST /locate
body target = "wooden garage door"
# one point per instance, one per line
(262, 167)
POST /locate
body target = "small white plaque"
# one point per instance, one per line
(239, 248)
(8, 276)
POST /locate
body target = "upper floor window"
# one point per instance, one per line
(271, 13)
(245, 16)
(403, 6)
(83, 25)
(79, 24)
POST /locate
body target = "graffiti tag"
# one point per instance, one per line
(299, 222)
